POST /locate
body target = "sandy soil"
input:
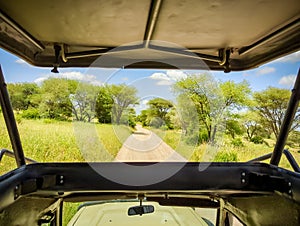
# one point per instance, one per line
(144, 145)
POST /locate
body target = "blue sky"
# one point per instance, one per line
(153, 83)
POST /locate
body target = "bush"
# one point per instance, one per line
(31, 113)
(203, 137)
(131, 122)
(48, 121)
(237, 142)
(156, 122)
(223, 156)
(192, 139)
(164, 127)
(257, 140)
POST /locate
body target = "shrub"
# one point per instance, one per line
(156, 122)
(203, 137)
(192, 139)
(31, 113)
(257, 140)
(48, 121)
(131, 122)
(237, 142)
(223, 156)
(164, 127)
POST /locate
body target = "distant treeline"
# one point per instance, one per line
(203, 106)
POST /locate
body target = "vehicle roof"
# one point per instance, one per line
(227, 35)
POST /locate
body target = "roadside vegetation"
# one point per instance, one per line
(55, 141)
(242, 124)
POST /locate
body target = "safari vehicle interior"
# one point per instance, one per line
(224, 35)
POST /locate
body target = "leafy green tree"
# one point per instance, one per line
(233, 128)
(294, 139)
(186, 116)
(123, 96)
(175, 119)
(213, 100)
(24, 95)
(143, 117)
(159, 108)
(271, 105)
(235, 95)
(253, 125)
(129, 117)
(56, 102)
(104, 105)
(84, 101)
(204, 92)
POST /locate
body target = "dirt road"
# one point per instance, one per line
(144, 145)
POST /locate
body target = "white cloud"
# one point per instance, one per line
(288, 80)
(292, 58)
(20, 61)
(74, 75)
(160, 76)
(168, 78)
(164, 83)
(265, 70)
(176, 75)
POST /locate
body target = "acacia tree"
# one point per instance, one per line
(203, 92)
(123, 97)
(271, 105)
(251, 124)
(213, 99)
(84, 102)
(158, 110)
(235, 95)
(233, 127)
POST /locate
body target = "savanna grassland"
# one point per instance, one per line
(58, 141)
(227, 150)
(47, 140)
(61, 141)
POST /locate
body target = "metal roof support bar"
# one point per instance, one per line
(269, 37)
(21, 31)
(287, 122)
(152, 19)
(111, 50)
(11, 122)
(99, 52)
(184, 53)
(288, 156)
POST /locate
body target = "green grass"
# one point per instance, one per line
(226, 151)
(58, 141)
